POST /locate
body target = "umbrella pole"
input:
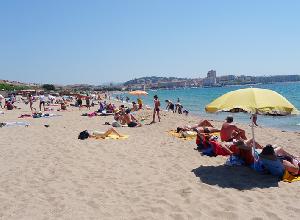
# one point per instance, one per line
(253, 137)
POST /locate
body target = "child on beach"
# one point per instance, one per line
(140, 103)
(156, 109)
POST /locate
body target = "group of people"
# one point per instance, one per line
(176, 108)
(88, 101)
(235, 144)
(8, 102)
(123, 116)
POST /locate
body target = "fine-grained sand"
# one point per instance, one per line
(47, 173)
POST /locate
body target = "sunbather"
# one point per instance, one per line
(204, 126)
(277, 160)
(131, 120)
(99, 134)
(230, 131)
(242, 149)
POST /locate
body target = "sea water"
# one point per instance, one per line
(195, 100)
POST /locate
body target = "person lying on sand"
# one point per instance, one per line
(230, 131)
(99, 134)
(131, 120)
(204, 126)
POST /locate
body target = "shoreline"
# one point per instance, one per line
(212, 118)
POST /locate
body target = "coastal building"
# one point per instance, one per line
(211, 79)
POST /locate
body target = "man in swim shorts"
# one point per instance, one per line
(131, 120)
(230, 131)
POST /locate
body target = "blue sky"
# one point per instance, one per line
(71, 41)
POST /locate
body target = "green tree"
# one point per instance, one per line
(48, 87)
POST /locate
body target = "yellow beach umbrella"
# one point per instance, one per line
(138, 92)
(253, 101)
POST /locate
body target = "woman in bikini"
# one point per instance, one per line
(99, 134)
(156, 109)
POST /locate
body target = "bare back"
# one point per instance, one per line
(227, 131)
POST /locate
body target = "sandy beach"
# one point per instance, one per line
(47, 173)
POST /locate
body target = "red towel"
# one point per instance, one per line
(218, 149)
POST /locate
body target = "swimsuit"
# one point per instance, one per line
(132, 124)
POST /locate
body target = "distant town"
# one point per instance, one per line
(211, 80)
(155, 82)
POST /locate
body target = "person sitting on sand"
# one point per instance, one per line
(134, 106)
(99, 134)
(276, 160)
(230, 131)
(120, 117)
(185, 111)
(131, 120)
(179, 109)
(242, 149)
(8, 105)
(63, 106)
(110, 108)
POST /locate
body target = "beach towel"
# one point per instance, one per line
(218, 149)
(113, 136)
(25, 116)
(288, 177)
(45, 115)
(12, 124)
(275, 167)
(179, 135)
(234, 161)
(92, 114)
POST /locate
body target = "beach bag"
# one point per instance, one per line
(234, 161)
(115, 124)
(83, 135)
(208, 152)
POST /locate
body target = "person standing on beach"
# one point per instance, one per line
(156, 109)
(254, 119)
(42, 101)
(140, 102)
(87, 101)
(30, 100)
(79, 102)
(177, 105)
(1, 98)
